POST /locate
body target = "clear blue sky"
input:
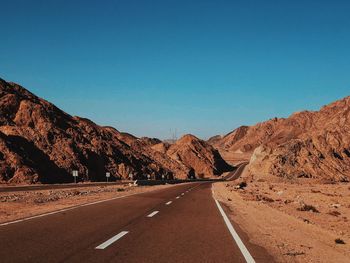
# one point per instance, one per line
(203, 67)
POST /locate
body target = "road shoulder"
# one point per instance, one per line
(286, 238)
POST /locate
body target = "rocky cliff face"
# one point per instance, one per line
(187, 157)
(307, 144)
(201, 157)
(41, 143)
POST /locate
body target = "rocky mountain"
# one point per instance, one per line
(188, 157)
(198, 155)
(41, 143)
(306, 144)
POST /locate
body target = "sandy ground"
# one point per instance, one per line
(17, 205)
(296, 222)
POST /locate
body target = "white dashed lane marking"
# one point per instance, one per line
(111, 240)
(153, 213)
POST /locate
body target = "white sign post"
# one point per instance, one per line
(148, 177)
(107, 176)
(131, 176)
(163, 176)
(75, 175)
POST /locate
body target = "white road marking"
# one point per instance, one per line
(182, 193)
(168, 203)
(177, 197)
(153, 213)
(112, 240)
(242, 247)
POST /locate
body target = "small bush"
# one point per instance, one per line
(263, 198)
(120, 189)
(339, 241)
(242, 185)
(305, 207)
(334, 213)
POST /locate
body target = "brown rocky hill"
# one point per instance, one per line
(198, 155)
(150, 148)
(187, 157)
(307, 144)
(41, 143)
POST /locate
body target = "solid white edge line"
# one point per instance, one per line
(153, 213)
(112, 240)
(242, 247)
(168, 203)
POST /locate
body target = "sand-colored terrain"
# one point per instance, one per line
(18, 205)
(297, 222)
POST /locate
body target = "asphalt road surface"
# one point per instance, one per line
(182, 223)
(179, 224)
(236, 173)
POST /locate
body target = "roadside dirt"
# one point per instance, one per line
(299, 222)
(17, 205)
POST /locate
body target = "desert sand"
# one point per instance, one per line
(297, 222)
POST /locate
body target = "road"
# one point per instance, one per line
(178, 224)
(236, 173)
(182, 223)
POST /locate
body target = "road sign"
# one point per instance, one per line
(148, 176)
(75, 175)
(108, 175)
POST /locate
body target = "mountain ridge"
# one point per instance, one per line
(41, 143)
(307, 144)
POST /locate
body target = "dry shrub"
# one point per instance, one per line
(339, 241)
(305, 207)
(334, 213)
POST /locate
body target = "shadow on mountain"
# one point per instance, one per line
(221, 165)
(33, 157)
